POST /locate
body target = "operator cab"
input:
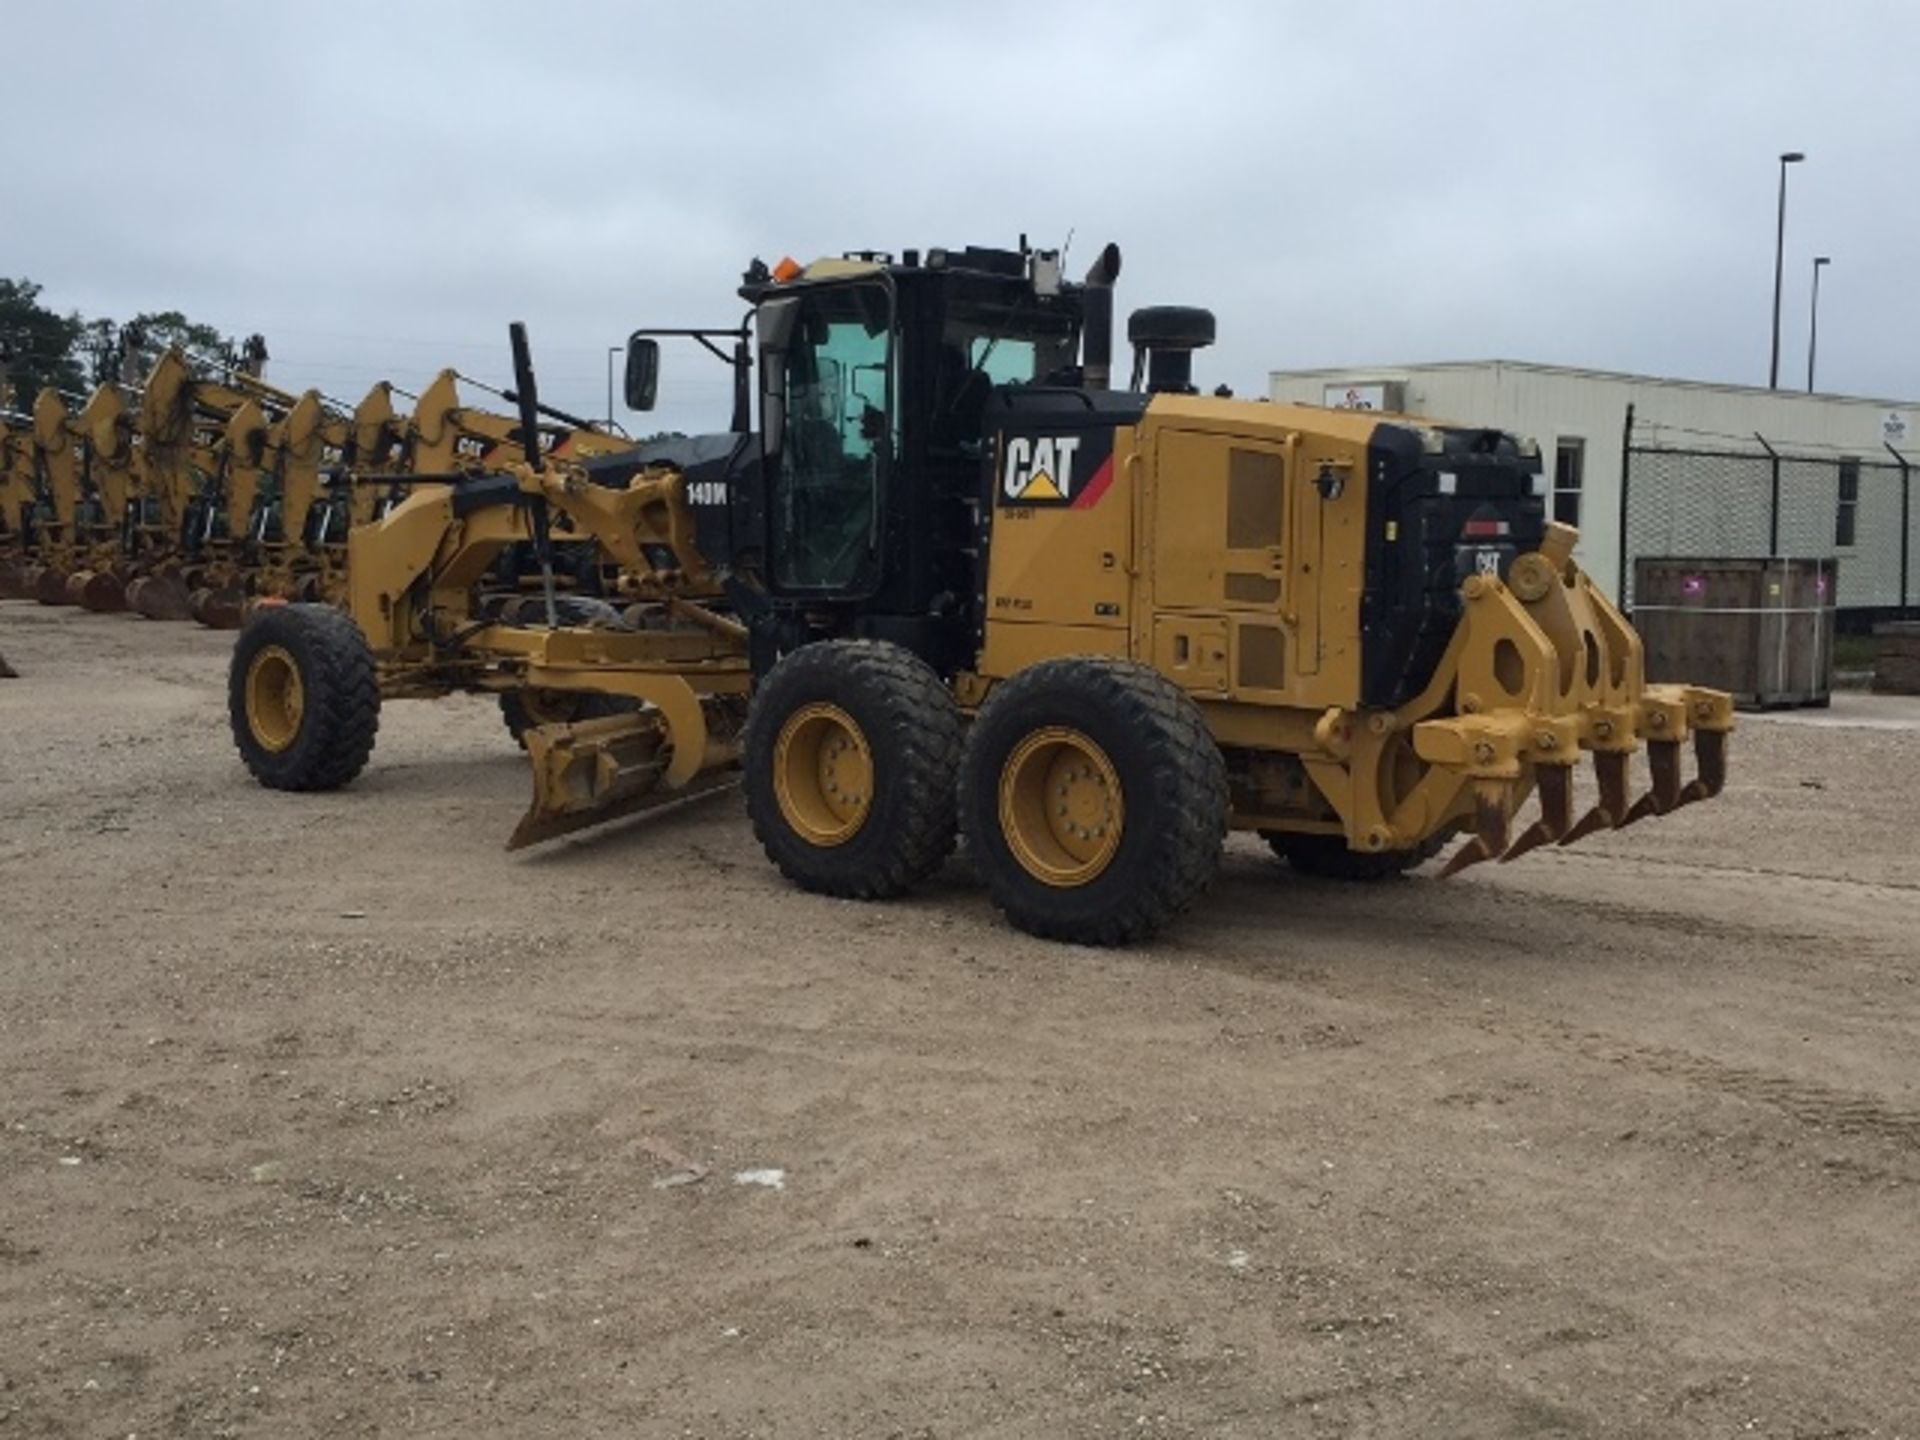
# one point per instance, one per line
(855, 508)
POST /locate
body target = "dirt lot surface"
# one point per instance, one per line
(324, 1116)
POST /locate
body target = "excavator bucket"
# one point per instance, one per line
(50, 585)
(162, 595)
(219, 608)
(101, 591)
(593, 771)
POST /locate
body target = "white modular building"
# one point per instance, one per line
(1655, 467)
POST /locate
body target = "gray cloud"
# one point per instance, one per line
(380, 188)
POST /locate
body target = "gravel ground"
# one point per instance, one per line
(321, 1115)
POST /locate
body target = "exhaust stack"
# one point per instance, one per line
(1096, 308)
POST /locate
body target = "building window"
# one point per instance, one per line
(1847, 511)
(1569, 465)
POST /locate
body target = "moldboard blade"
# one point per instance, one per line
(534, 829)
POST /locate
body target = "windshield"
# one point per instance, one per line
(984, 344)
(1011, 344)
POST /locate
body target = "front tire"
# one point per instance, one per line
(851, 751)
(1093, 799)
(303, 697)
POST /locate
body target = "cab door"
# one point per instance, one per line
(831, 432)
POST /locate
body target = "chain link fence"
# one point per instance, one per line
(1778, 501)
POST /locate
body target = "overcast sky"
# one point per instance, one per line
(380, 188)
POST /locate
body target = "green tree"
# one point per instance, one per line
(99, 346)
(148, 335)
(37, 346)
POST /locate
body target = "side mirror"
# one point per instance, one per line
(643, 372)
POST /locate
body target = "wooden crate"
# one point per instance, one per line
(1760, 628)
(1896, 658)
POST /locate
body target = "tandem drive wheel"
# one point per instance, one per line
(1093, 799)
(851, 751)
(302, 697)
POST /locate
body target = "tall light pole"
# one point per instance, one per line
(1792, 157)
(612, 350)
(1813, 318)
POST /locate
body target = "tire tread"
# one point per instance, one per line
(1189, 778)
(342, 698)
(921, 719)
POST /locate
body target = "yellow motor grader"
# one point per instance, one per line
(174, 453)
(323, 473)
(962, 585)
(103, 435)
(236, 422)
(17, 504)
(119, 495)
(231, 490)
(67, 514)
(446, 434)
(301, 532)
(308, 503)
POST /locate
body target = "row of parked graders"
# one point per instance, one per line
(205, 490)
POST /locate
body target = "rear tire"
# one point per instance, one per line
(303, 697)
(851, 752)
(1326, 857)
(1093, 799)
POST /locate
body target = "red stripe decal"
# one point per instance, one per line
(1096, 487)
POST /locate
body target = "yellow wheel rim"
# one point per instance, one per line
(275, 698)
(1060, 807)
(823, 775)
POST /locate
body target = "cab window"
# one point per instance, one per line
(837, 438)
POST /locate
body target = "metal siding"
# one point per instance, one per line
(1546, 403)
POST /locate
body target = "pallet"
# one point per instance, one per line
(1896, 662)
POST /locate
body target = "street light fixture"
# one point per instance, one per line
(1791, 157)
(1813, 318)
